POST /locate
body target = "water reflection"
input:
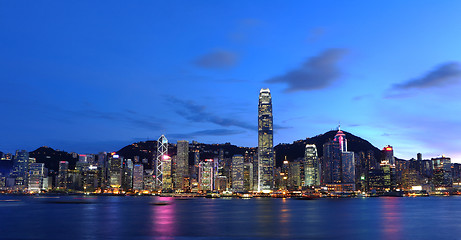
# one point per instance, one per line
(163, 218)
(391, 224)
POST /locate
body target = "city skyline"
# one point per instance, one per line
(89, 77)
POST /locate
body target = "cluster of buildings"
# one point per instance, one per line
(184, 171)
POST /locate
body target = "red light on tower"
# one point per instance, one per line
(388, 148)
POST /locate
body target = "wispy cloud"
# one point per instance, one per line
(316, 73)
(442, 75)
(198, 113)
(217, 59)
(210, 132)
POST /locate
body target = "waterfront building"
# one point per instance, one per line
(115, 171)
(237, 173)
(162, 150)
(90, 179)
(294, 175)
(167, 180)
(62, 175)
(20, 169)
(311, 166)
(248, 177)
(442, 175)
(206, 175)
(36, 173)
(127, 175)
(138, 177)
(265, 142)
(221, 183)
(338, 165)
(181, 165)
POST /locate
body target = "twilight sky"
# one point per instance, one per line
(88, 77)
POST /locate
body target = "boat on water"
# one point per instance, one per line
(213, 195)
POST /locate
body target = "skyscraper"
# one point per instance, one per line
(338, 166)
(265, 142)
(162, 150)
(311, 166)
(138, 174)
(182, 165)
(237, 173)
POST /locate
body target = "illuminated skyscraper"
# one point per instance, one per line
(182, 165)
(115, 171)
(36, 177)
(138, 175)
(162, 150)
(311, 166)
(338, 166)
(265, 142)
(206, 174)
(237, 173)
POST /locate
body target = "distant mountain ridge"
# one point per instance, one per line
(147, 150)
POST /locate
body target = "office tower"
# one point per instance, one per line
(90, 179)
(248, 177)
(388, 155)
(181, 166)
(115, 171)
(311, 166)
(20, 169)
(338, 165)
(442, 175)
(162, 150)
(294, 175)
(265, 142)
(62, 175)
(237, 173)
(167, 180)
(206, 175)
(36, 171)
(127, 176)
(221, 183)
(138, 177)
(419, 157)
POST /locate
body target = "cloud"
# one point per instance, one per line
(198, 113)
(443, 75)
(315, 34)
(212, 132)
(218, 59)
(316, 73)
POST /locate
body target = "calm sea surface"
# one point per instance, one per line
(257, 218)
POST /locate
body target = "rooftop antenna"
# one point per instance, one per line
(339, 126)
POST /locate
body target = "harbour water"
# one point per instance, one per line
(131, 217)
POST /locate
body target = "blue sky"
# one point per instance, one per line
(90, 76)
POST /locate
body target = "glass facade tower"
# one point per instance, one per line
(265, 142)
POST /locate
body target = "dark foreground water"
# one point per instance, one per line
(200, 218)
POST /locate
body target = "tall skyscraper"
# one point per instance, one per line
(138, 175)
(182, 165)
(311, 166)
(115, 171)
(167, 180)
(265, 142)
(36, 177)
(162, 150)
(338, 166)
(206, 172)
(20, 168)
(237, 173)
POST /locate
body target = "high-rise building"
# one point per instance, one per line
(181, 166)
(20, 169)
(162, 150)
(248, 176)
(265, 142)
(338, 167)
(167, 180)
(388, 155)
(127, 175)
(36, 171)
(294, 175)
(115, 171)
(311, 166)
(237, 173)
(62, 174)
(206, 175)
(138, 177)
